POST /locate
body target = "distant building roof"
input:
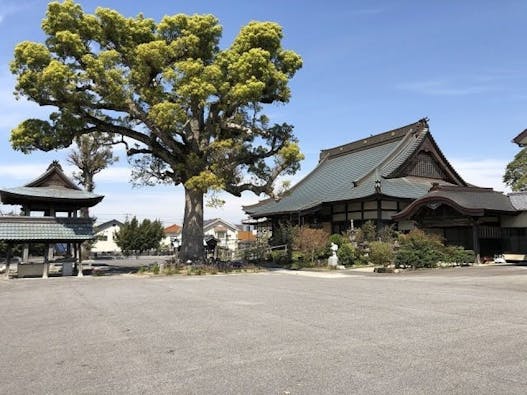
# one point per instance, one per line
(173, 229)
(50, 229)
(246, 235)
(106, 225)
(211, 223)
(350, 171)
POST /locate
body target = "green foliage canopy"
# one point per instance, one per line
(188, 112)
(135, 236)
(516, 172)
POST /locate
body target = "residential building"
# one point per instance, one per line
(223, 231)
(172, 236)
(105, 238)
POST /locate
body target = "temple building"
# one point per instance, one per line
(400, 178)
(50, 215)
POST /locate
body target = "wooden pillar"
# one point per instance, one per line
(8, 260)
(79, 259)
(51, 247)
(50, 252)
(45, 267)
(25, 253)
(362, 213)
(475, 241)
(379, 214)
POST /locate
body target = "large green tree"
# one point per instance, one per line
(188, 112)
(516, 172)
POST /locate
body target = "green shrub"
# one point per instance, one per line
(457, 254)
(280, 257)
(337, 239)
(347, 254)
(155, 268)
(381, 253)
(366, 233)
(387, 234)
(419, 249)
(312, 243)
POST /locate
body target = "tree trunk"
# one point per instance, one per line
(192, 234)
(85, 213)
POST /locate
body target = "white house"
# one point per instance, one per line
(172, 236)
(223, 231)
(104, 238)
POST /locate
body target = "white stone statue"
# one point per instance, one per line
(333, 260)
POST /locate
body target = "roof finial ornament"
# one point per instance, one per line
(424, 123)
(55, 164)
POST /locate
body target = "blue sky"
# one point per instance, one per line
(369, 66)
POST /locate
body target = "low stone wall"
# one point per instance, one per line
(30, 270)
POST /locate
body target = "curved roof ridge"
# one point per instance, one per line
(372, 140)
(390, 157)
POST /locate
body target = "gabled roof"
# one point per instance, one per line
(211, 223)
(106, 225)
(53, 177)
(173, 229)
(350, 171)
(52, 186)
(521, 139)
(471, 201)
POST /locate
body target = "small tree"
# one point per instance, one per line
(347, 254)
(516, 172)
(91, 156)
(366, 233)
(139, 237)
(311, 242)
(381, 253)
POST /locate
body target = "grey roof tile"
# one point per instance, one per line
(468, 200)
(519, 200)
(55, 193)
(349, 172)
(45, 229)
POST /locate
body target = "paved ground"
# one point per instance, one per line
(445, 331)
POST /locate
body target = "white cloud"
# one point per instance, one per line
(483, 172)
(14, 111)
(26, 172)
(113, 174)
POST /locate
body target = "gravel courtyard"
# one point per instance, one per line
(444, 331)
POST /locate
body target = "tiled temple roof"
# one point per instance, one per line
(470, 201)
(45, 229)
(349, 172)
(52, 186)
